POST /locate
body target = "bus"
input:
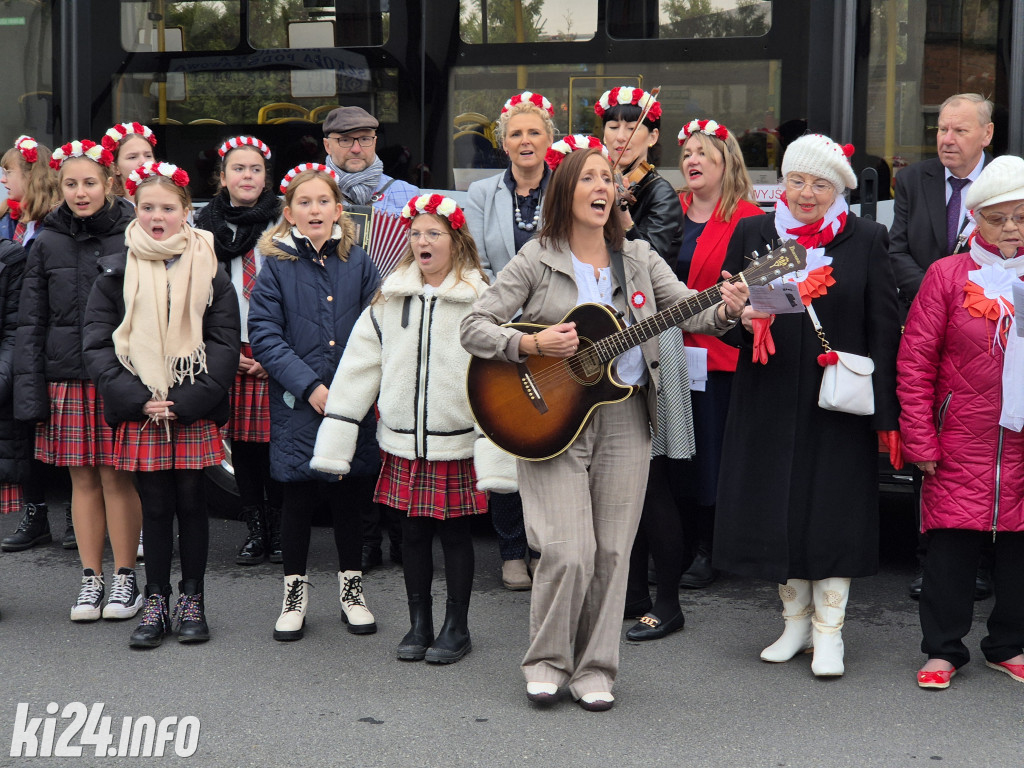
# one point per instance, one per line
(436, 72)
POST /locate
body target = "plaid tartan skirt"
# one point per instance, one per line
(142, 446)
(442, 490)
(250, 407)
(10, 498)
(76, 434)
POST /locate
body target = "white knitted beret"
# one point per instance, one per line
(1000, 180)
(819, 156)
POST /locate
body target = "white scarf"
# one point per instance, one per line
(830, 225)
(996, 276)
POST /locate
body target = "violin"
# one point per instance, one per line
(626, 183)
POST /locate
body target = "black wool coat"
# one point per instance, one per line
(798, 490)
(60, 270)
(124, 394)
(16, 437)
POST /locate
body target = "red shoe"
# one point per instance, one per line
(1016, 671)
(938, 678)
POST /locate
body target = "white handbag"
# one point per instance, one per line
(845, 385)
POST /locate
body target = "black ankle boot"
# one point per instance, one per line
(273, 518)
(421, 632)
(190, 613)
(452, 641)
(700, 574)
(156, 622)
(33, 529)
(70, 541)
(254, 549)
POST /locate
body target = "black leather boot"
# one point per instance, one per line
(254, 550)
(700, 574)
(156, 621)
(33, 529)
(190, 613)
(69, 541)
(452, 641)
(421, 632)
(273, 520)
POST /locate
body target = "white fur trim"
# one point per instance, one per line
(495, 469)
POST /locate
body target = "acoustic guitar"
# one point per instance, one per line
(535, 409)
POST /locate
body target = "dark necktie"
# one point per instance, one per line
(953, 212)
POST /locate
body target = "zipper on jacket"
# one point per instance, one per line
(999, 472)
(421, 378)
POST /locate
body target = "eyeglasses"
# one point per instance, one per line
(818, 188)
(431, 237)
(999, 219)
(346, 142)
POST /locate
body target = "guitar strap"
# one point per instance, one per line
(620, 274)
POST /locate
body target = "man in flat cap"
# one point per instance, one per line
(350, 138)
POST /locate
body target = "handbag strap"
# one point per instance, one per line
(615, 257)
(817, 327)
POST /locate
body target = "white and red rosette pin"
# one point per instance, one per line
(707, 127)
(627, 95)
(557, 152)
(438, 205)
(637, 300)
(117, 133)
(533, 98)
(301, 168)
(148, 170)
(244, 141)
(83, 148)
(28, 147)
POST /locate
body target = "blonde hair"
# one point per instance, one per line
(284, 226)
(42, 186)
(155, 179)
(522, 108)
(736, 183)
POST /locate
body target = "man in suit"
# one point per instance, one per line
(930, 221)
(930, 218)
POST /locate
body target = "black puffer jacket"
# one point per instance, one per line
(59, 273)
(123, 392)
(15, 436)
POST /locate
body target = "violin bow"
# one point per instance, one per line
(639, 121)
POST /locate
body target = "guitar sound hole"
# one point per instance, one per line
(584, 366)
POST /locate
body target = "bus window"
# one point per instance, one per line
(349, 23)
(672, 19)
(526, 21)
(27, 59)
(207, 25)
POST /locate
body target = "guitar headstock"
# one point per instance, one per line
(788, 257)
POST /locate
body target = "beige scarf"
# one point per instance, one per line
(160, 339)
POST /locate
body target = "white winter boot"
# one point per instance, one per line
(830, 597)
(353, 608)
(291, 624)
(796, 610)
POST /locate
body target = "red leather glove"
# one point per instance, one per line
(891, 439)
(764, 344)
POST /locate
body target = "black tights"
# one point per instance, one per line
(34, 487)
(418, 555)
(166, 494)
(251, 462)
(300, 501)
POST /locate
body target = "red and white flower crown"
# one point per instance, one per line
(149, 170)
(707, 127)
(529, 97)
(114, 136)
(28, 148)
(83, 148)
(244, 141)
(290, 176)
(439, 205)
(626, 95)
(556, 152)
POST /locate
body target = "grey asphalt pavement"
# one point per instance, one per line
(698, 698)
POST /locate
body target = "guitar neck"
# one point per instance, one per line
(636, 334)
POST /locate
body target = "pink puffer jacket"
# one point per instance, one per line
(949, 385)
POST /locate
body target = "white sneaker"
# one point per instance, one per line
(291, 624)
(90, 597)
(353, 608)
(124, 600)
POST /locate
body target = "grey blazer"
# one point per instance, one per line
(489, 216)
